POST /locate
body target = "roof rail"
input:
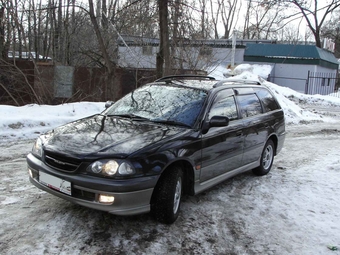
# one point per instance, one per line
(243, 81)
(185, 76)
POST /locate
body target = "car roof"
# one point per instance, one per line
(205, 82)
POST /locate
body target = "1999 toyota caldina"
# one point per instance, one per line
(177, 135)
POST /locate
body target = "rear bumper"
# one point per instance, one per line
(280, 142)
(85, 190)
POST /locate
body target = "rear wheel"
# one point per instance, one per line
(267, 159)
(167, 196)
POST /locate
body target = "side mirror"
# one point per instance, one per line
(219, 121)
(108, 104)
(215, 121)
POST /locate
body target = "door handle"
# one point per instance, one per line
(255, 122)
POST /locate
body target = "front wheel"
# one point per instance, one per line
(167, 196)
(267, 159)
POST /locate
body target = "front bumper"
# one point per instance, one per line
(131, 196)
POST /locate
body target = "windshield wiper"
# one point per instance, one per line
(129, 116)
(172, 122)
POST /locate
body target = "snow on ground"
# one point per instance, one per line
(294, 209)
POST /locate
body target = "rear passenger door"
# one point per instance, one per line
(255, 124)
(222, 147)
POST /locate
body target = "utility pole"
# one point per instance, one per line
(233, 50)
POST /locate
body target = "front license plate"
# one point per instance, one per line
(55, 183)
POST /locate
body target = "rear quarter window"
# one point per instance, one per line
(268, 101)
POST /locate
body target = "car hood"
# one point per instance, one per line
(100, 134)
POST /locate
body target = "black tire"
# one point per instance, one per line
(167, 196)
(267, 159)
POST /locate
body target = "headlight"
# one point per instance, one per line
(111, 168)
(126, 169)
(37, 148)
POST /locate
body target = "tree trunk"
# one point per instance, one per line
(317, 38)
(163, 56)
(175, 34)
(246, 34)
(2, 34)
(60, 32)
(104, 15)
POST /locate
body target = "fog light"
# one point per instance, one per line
(30, 173)
(106, 199)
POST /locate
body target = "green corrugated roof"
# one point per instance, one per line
(288, 53)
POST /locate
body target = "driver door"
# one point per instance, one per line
(222, 147)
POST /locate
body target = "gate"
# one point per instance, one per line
(322, 84)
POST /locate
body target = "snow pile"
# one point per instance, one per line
(293, 113)
(259, 70)
(218, 72)
(30, 120)
(221, 72)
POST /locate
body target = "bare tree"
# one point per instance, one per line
(216, 12)
(332, 30)
(203, 11)
(314, 14)
(109, 63)
(263, 21)
(230, 9)
(138, 18)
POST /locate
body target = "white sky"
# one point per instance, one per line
(298, 22)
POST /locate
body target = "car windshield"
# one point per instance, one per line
(169, 104)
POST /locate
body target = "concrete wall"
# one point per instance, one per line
(295, 76)
(291, 75)
(185, 58)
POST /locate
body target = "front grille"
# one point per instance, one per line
(61, 163)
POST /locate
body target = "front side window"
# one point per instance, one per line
(249, 105)
(224, 105)
(159, 103)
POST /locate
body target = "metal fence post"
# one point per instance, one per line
(307, 83)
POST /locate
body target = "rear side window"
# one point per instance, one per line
(268, 101)
(249, 105)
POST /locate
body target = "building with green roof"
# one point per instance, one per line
(294, 65)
